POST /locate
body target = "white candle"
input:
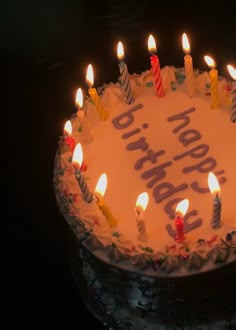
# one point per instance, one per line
(232, 72)
(216, 207)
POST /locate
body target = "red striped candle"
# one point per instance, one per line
(180, 212)
(69, 140)
(155, 63)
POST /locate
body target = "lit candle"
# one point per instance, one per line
(79, 100)
(155, 64)
(141, 204)
(216, 208)
(77, 161)
(103, 114)
(79, 104)
(180, 212)
(84, 128)
(232, 72)
(69, 140)
(124, 74)
(99, 192)
(214, 81)
(188, 64)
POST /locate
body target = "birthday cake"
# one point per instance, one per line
(149, 264)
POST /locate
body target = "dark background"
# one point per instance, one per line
(45, 49)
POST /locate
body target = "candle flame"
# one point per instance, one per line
(68, 128)
(210, 62)
(232, 71)
(101, 186)
(78, 155)
(185, 43)
(89, 75)
(120, 51)
(142, 201)
(182, 207)
(213, 184)
(79, 98)
(151, 44)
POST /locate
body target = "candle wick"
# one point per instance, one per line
(177, 216)
(138, 212)
(77, 168)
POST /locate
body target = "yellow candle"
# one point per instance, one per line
(188, 64)
(214, 81)
(84, 126)
(99, 193)
(79, 100)
(106, 212)
(103, 114)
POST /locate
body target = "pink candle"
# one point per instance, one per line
(155, 64)
(181, 209)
